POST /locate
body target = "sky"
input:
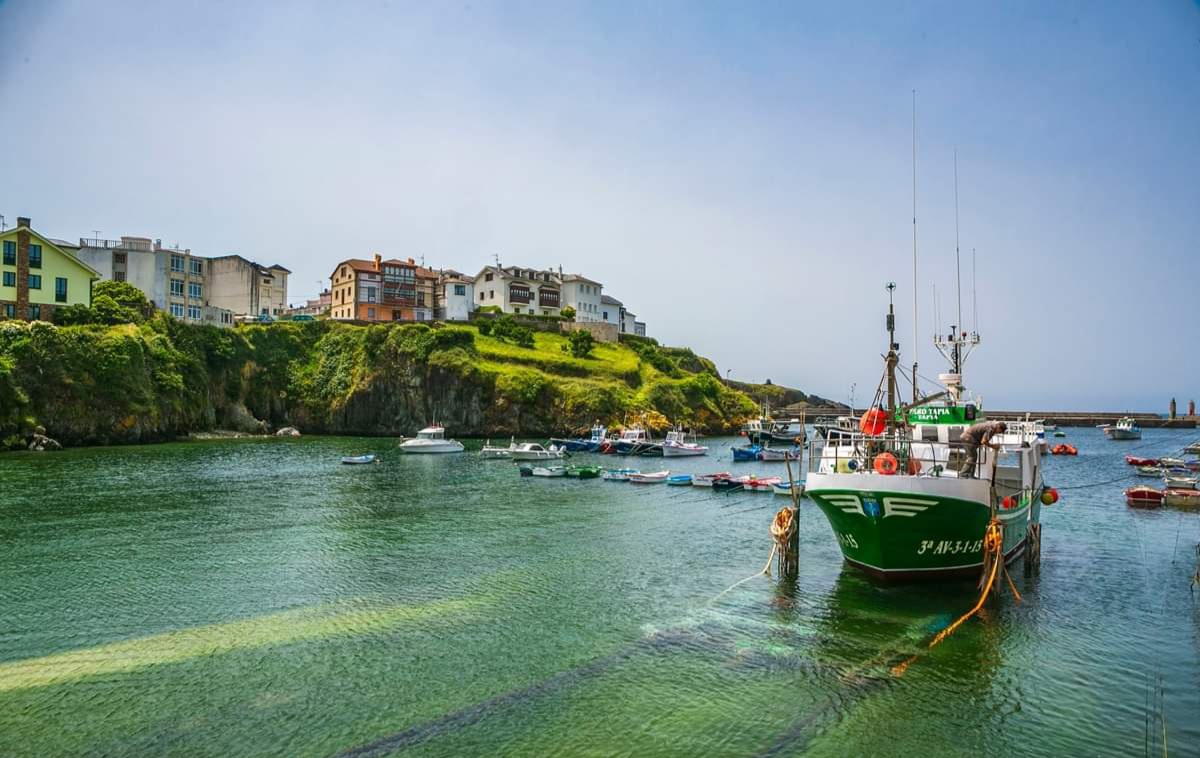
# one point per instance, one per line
(740, 175)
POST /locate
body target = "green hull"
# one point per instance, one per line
(909, 536)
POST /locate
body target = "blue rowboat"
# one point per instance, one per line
(680, 480)
(358, 460)
(748, 453)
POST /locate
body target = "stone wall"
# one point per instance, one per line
(601, 331)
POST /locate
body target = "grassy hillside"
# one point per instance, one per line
(161, 378)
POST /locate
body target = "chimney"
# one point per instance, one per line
(22, 221)
(411, 262)
(378, 262)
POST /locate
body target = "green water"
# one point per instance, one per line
(246, 598)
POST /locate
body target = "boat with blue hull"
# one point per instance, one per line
(591, 444)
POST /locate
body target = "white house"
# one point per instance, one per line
(457, 296)
(518, 290)
(611, 310)
(584, 295)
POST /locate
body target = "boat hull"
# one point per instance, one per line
(1122, 434)
(448, 446)
(905, 529)
(673, 451)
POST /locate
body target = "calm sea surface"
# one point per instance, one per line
(256, 598)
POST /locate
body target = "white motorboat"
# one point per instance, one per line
(1124, 429)
(618, 474)
(431, 439)
(549, 471)
(493, 452)
(676, 445)
(532, 451)
(654, 477)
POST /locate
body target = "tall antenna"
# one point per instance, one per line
(957, 260)
(916, 341)
(974, 299)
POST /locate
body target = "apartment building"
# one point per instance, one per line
(512, 289)
(382, 290)
(39, 274)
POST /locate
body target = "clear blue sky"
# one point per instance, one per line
(738, 173)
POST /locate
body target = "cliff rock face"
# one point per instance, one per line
(163, 379)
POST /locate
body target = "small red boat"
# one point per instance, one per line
(1143, 497)
(1133, 460)
(1064, 449)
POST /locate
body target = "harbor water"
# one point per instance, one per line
(257, 598)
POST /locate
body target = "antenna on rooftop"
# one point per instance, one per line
(2, 224)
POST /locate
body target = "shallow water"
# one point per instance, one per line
(239, 598)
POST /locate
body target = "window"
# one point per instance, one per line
(396, 315)
(460, 289)
(481, 297)
(60, 289)
(176, 310)
(10, 310)
(177, 287)
(177, 263)
(491, 294)
(371, 313)
(194, 312)
(516, 310)
(420, 298)
(35, 256)
(118, 276)
(118, 257)
(35, 281)
(606, 315)
(10, 278)
(195, 290)
(10, 253)
(35, 312)
(197, 267)
(487, 277)
(266, 281)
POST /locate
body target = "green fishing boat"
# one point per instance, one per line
(584, 472)
(892, 489)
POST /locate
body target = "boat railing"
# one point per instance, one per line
(858, 453)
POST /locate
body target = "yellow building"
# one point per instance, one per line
(39, 275)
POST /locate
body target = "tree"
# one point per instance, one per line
(568, 313)
(73, 315)
(581, 343)
(125, 295)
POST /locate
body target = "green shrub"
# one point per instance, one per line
(580, 343)
(506, 328)
(568, 313)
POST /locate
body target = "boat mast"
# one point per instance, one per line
(916, 340)
(957, 256)
(893, 356)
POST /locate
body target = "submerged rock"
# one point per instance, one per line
(288, 431)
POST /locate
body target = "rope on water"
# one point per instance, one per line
(781, 530)
(1096, 484)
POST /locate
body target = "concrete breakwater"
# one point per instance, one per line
(1061, 418)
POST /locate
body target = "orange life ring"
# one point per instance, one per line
(886, 464)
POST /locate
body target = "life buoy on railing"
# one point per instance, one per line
(886, 464)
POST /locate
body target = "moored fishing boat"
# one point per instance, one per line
(495, 452)
(1180, 479)
(778, 454)
(747, 453)
(706, 480)
(1193, 448)
(584, 472)
(1134, 460)
(580, 445)
(431, 439)
(785, 488)
(653, 477)
(1143, 497)
(548, 471)
(359, 460)
(755, 484)
(1125, 429)
(906, 499)
(1150, 472)
(636, 441)
(728, 484)
(676, 445)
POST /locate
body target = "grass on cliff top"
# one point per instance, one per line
(608, 361)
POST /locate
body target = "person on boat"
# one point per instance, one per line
(973, 438)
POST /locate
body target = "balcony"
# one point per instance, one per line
(520, 296)
(548, 299)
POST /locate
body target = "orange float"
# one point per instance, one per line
(886, 464)
(873, 422)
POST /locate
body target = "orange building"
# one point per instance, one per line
(379, 290)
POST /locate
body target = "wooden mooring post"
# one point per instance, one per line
(789, 546)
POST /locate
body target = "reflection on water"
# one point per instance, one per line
(256, 598)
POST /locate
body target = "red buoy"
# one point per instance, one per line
(873, 422)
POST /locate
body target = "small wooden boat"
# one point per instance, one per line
(1060, 434)
(1187, 499)
(679, 480)
(549, 471)
(779, 454)
(730, 484)
(1151, 472)
(618, 474)
(1193, 448)
(1172, 462)
(747, 453)
(1143, 497)
(707, 480)
(654, 477)
(584, 472)
(785, 488)
(1177, 479)
(1134, 460)
(359, 460)
(754, 484)
(1064, 449)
